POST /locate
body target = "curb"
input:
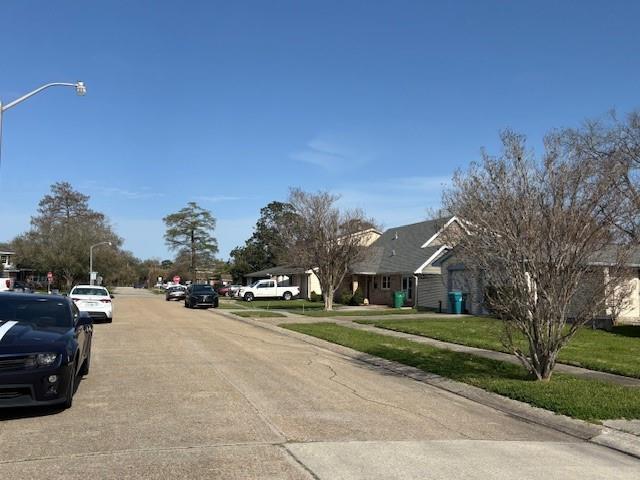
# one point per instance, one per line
(599, 435)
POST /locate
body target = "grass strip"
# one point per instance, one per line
(590, 400)
(258, 313)
(359, 313)
(613, 352)
(281, 304)
(224, 305)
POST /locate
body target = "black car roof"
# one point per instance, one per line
(32, 296)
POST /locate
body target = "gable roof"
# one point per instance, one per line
(401, 249)
(277, 271)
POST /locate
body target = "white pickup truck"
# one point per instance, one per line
(267, 289)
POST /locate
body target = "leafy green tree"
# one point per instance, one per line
(60, 236)
(191, 229)
(266, 246)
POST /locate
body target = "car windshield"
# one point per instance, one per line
(174, 289)
(90, 291)
(41, 312)
(202, 288)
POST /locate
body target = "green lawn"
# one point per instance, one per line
(258, 313)
(360, 313)
(579, 398)
(614, 352)
(281, 304)
(230, 305)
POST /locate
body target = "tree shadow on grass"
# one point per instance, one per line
(632, 331)
(453, 365)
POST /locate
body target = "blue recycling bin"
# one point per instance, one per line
(455, 302)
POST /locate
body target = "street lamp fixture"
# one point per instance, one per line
(91, 279)
(80, 87)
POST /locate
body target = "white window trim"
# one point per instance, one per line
(431, 258)
(388, 287)
(435, 235)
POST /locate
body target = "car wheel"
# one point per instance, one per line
(84, 370)
(167, 299)
(71, 386)
(287, 295)
(248, 297)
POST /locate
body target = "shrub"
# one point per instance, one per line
(315, 297)
(344, 297)
(357, 298)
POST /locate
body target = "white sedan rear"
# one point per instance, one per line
(96, 301)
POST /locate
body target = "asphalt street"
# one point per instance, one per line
(179, 393)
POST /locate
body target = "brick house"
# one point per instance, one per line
(403, 258)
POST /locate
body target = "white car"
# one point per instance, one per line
(94, 300)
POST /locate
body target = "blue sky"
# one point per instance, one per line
(230, 103)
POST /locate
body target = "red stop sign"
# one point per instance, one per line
(176, 279)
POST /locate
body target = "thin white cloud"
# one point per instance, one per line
(396, 201)
(106, 191)
(330, 155)
(219, 198)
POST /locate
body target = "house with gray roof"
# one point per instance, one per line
(402, 258)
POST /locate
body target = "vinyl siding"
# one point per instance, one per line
(431, 292)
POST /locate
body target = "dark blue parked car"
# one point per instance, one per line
(45, 346)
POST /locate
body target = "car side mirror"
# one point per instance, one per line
(112, 297)
(84, 319)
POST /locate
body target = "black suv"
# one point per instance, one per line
(201, 296)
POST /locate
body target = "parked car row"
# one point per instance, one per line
(259, 289)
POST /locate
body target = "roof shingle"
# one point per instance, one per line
(398, 250)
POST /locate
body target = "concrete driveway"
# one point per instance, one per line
(178, 393)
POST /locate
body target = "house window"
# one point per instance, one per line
(386, 282)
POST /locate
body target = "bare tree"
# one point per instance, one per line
(323, 237)
(539, 241)
(613, 147)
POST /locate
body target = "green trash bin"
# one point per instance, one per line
(455, 302)
(398, 299)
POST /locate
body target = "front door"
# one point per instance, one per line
(408, 285)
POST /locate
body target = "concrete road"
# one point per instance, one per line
(178, 393)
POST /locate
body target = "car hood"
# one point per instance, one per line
(18, 335)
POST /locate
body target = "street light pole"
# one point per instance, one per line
(80, 87)
(91, 259)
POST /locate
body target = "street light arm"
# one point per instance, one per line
(80, 88)
(91, 259)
